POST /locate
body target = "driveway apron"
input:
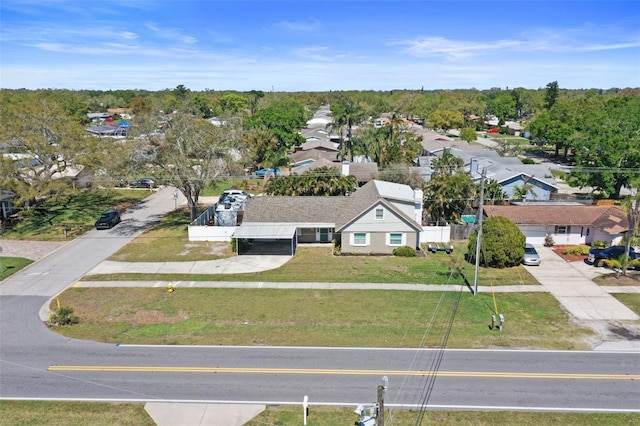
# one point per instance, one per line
(571, 284)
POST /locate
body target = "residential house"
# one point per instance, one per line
(375, 219)
(6, 204)
(565, 224)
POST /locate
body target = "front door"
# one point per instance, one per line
(324, 235)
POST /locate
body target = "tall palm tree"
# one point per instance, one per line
(346, 115)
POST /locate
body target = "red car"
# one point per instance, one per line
(492, 131)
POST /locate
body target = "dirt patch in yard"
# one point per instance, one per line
(631, 279)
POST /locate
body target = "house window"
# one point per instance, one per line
(561, 230)
(360, 239)
(395, 239)
(379, 214)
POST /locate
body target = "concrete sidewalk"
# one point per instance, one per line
(172, 414)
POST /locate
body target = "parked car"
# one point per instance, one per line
(108, 219)
(143, 183)
(531, 256)
(263, 172)
(597, 254)
(493, 131)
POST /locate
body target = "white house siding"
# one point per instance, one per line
(597, 235)
(536, 234)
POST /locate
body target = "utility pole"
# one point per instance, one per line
(382, 390)
(633, 222)
(479, 239)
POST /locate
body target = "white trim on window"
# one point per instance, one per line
(359, 238)
(379, 214)
(392, 239)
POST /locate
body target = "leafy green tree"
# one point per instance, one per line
(502, 243)
(448, 196)
(202, 106)
(468, 134)
(556, 127)
(193, 155)
(140, 105)
(607, 144)
(46, 143)
(447, 164)
(346, 114)
(181, 92)
(283, 118)
(502, 105)
(233, 103)
(521, 192)
(445, 119)
(323, 181)
(551, 95)
(392, 143)
(493, 192)
(253, 99)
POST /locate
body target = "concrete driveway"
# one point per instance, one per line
(230, 265)
(572, 284)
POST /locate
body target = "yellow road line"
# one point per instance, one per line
(490, 374)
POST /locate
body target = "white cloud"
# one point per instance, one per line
(298, 26)
(314, 53)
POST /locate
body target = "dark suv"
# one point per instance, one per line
(597, 254)
(108, 219)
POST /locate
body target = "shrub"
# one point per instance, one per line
(599, 243)
(527, 160)
(548, 240)
(63, 316)
(576, 250)
(634, 264)
(502, 243)
(404, 251)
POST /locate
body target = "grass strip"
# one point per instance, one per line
(330, 416)
(73, 413)
(11, 265)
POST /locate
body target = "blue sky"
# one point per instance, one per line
(318, 45)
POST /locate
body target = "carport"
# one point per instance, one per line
(266, 238)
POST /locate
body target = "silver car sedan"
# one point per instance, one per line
(531, 256)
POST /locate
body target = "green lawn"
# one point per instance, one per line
(69, 215)
(73, 413)
(124, 414)
(11, 265)
(378, 318)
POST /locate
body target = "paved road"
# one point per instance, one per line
(37, 363)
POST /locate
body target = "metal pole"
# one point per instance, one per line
(479, 239)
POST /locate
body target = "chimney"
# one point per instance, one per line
(345, 168)
(418, 196)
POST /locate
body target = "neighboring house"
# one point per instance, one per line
(375, 219)
(363, 172)
(566, 224)
(6, 205)
(514, 128)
